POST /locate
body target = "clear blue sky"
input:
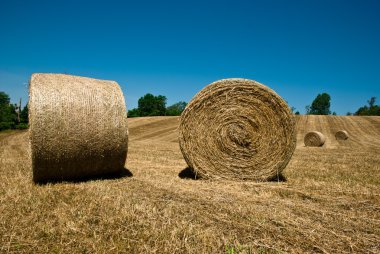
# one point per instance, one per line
(175, 48)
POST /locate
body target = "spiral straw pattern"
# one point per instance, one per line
(237, 129)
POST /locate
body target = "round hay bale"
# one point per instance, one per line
(237, 129)
(78, 127)
(314, 138)
(341, 135)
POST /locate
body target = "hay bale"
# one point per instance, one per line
(341, 135)
(78, 127)
(314, 138)
(237, 129)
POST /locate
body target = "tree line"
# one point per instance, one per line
(151, 105)
(12, 116)
(321, 106)
(371, 110)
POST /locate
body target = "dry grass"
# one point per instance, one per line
(330, 202)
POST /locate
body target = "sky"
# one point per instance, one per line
(175, 48)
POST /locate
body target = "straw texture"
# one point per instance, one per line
(341, 135)
(237, 129)
(78, 127)
(314, 138)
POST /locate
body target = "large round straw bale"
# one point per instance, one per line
(237, 129)
(78, 127)
(314, 138)
(341, 135)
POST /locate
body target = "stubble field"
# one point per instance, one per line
(329, 202)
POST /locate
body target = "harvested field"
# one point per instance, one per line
(330, 202)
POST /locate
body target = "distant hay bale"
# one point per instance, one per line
(237, 129)
(78, 127)
(314, 138)
(341, 135)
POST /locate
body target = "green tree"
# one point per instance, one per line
(24, 115)
(320, 105)
(8, 116)
(307, 109)
(370, 110)
(4, 99)
(133, 112)
(371, 102)
(374, 111)
(150, 105)
(176, 109)
(362, 111)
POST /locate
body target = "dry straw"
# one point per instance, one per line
(78, 127)
(314, 138)
(341, 135)
(237, 129)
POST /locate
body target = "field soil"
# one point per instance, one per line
(328, 203)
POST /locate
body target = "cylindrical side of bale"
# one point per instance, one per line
(341, 135)
(78, 127)
(237, 129)
(314, 138)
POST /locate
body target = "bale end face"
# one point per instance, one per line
(237, 129)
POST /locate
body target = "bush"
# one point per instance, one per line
(6, 125)
(22, 126)
(133, 113)
(176, 109)
(370, 110)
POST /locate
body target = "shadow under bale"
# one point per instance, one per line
(278, 178)
(122, 173)
(188, 173)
